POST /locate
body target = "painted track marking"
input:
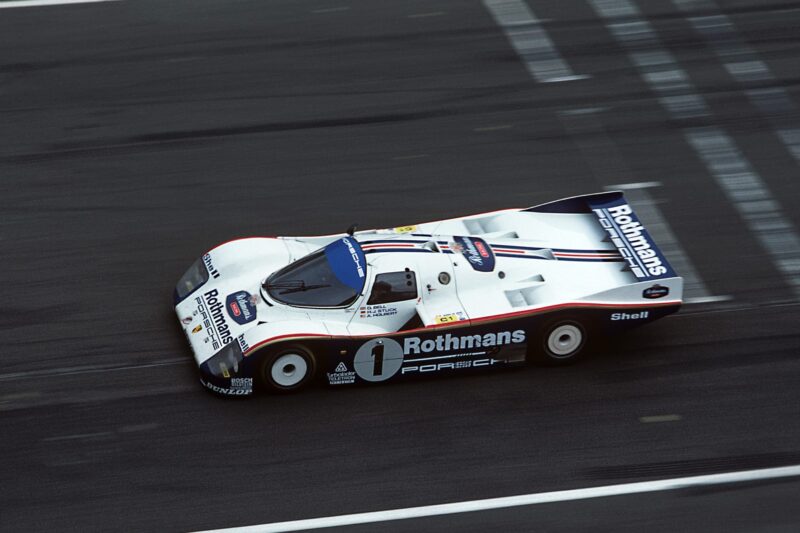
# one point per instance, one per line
(530, 40)
(331, 9)
(655, 419)
(71, 371)
(744, 65)
(750, 196)
(41, 3)
(745, 189)
(521, 500)
(426, 15)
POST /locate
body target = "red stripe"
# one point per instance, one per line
(507, 251)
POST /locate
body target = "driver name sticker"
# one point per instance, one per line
(379, 310)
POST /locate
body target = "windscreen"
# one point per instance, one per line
(331, 277)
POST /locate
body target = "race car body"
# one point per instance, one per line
(481, 291)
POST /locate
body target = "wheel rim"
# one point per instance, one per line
(564, 340)
(289, 369)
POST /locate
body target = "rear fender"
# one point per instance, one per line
(661, 291)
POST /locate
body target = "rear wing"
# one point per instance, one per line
(623, 229)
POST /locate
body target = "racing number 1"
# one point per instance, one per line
(377, 356)
(378, 359)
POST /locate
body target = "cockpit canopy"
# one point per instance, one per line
(331, 277)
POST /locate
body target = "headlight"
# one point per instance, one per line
(226, 362)
(194, 277)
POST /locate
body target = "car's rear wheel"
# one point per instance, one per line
(563, 342)
(288, 369)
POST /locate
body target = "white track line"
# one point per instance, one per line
(531, 42)
(748, 193)
(744, 65)
(518, 501)
(746, 190)
(71, 371)
(40, 3)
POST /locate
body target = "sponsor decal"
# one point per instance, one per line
(243, 344)
(342, 376)
(656, 291)
(210, 266)
(405, 229)
(448, 342)
(380, 359)
(211, 334)
(372, 311)
(245, 384)
(355, 256)
(476, 251)
(631, 239)
(630, 316)
(240, 307)
(197, 328)
(449, 318)
(454, 365)
(347, 262)
(210, 309)
(186, 320)
(231, 391)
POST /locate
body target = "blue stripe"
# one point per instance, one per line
(389, 241)
(522, 256)
(564, 250)
(611, 260)
(608, 260)
(511, 246)
(407, 250)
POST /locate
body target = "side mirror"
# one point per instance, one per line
(352, 229)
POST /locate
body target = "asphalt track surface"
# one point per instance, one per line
(137, 134)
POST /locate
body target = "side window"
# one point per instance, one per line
(393, 287)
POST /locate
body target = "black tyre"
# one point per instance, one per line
(563, 342)
(287, 369)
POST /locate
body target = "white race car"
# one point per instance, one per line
(475, 292)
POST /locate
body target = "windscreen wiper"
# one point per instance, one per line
(292, 285)
(303, 288)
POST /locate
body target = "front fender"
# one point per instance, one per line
(264, 335)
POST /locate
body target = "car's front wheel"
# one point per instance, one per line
(287, 369)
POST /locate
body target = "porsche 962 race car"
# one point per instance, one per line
(477, 292)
